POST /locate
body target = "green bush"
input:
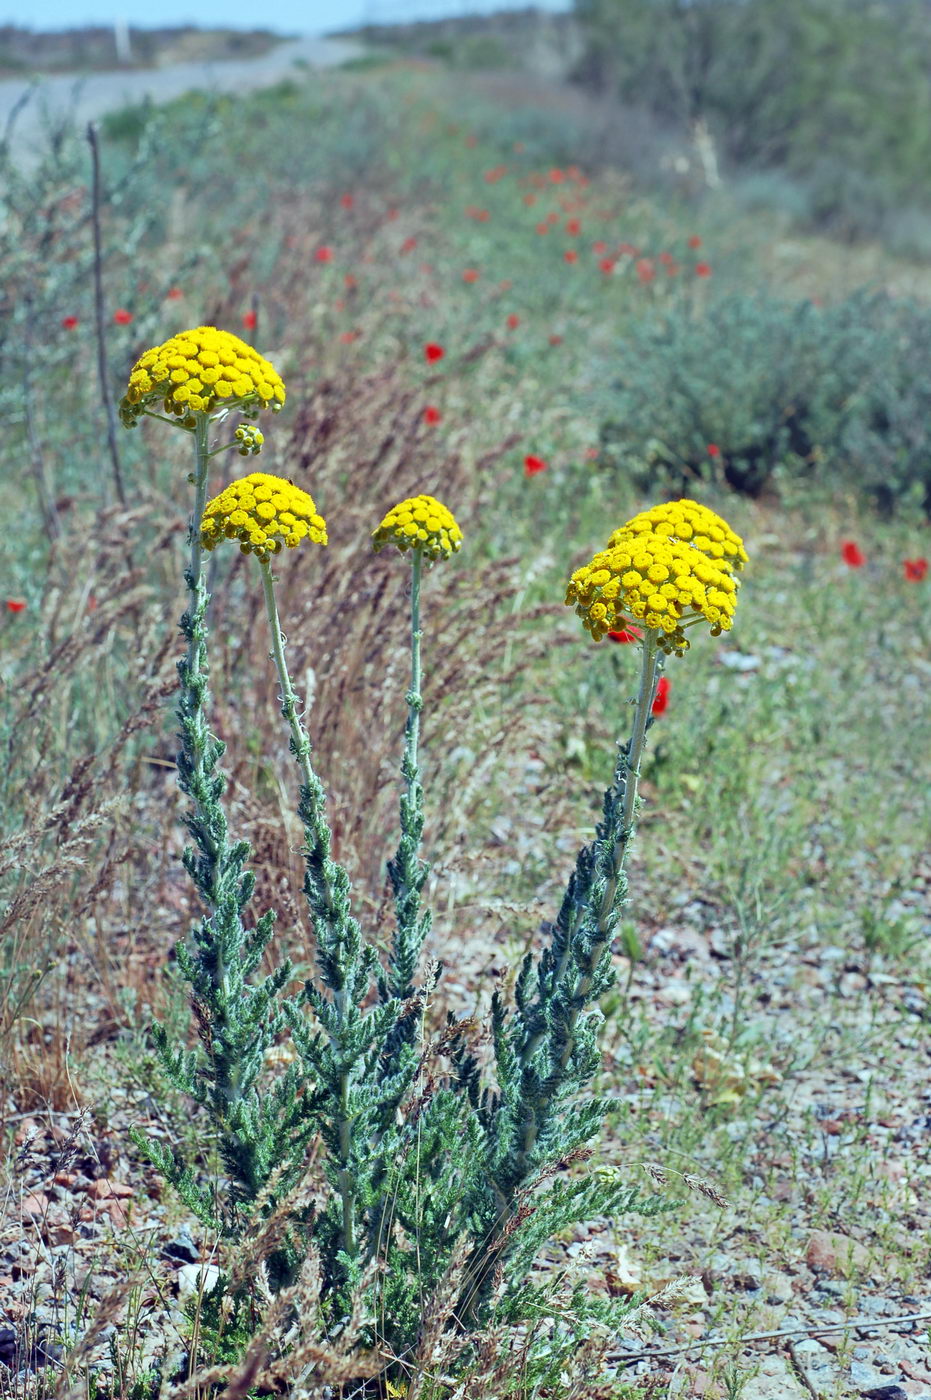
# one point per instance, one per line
(758, 391)
(833, 92)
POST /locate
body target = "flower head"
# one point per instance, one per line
(852, 554)
(263, 513)
(915, 570)
(625, 635)
(15, 605)
(69, 323)
(660, 570)
(533, 464)
(702, 269)
(432, 415)
(433, 352)
(420, 523)
(694, 241)
(122, 317)
(691, 522)
(198, 371)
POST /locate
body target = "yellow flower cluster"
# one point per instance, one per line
(691, 521)
(665, 568)
(263, 513)
(198, 370)
(420, 523)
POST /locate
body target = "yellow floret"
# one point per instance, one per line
(665, 568)
(190, 361)
(420, 523)
(247, 511)
(686, 520)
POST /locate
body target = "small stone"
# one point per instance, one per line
(182, 1247)
(197, 1278)
(35, 1204)
(104, 1189)
(775, 1380)
(835, 1253)
(885, 1392)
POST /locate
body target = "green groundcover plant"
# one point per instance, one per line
(757, 392)
(439, 1166)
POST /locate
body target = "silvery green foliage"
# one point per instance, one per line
(785, 391)
(258, 1128)
(429, 1154)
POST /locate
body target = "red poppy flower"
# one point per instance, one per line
(599, 248)
(506, 285)
(573, 228)
(392, 213)
(665, 258)
(661, 698)
(607, 266)
(915, 569)
(470, 275)
(91, 602)
(713, 449)
(530, 199)
(629, 634)
(349, 281)
(513, 321)
(552, 217)
(628, 250)
(555, 340)
(15, 605)
(347, 200)
(570, 256)
(543, 228)
(174, 294)
(408, 245)
(432, 415)
(702, 269)
(121, 316)
(323, 255)
(69, 322)
(556, 177)
(645, 270)
(852, 554)
(694, 241)
(347, 337)
(249, 320)
(533, 464)
(433, 352)
(591, 454)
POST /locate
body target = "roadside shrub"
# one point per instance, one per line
(804, 86)
(758, 391)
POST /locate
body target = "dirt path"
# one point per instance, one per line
(26, 106)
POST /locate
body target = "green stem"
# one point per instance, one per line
(623, 839)
(414, 697)
(310, 784)
(648, 675)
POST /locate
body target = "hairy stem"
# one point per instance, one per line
(311, 794)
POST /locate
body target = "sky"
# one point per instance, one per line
(288, 16)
